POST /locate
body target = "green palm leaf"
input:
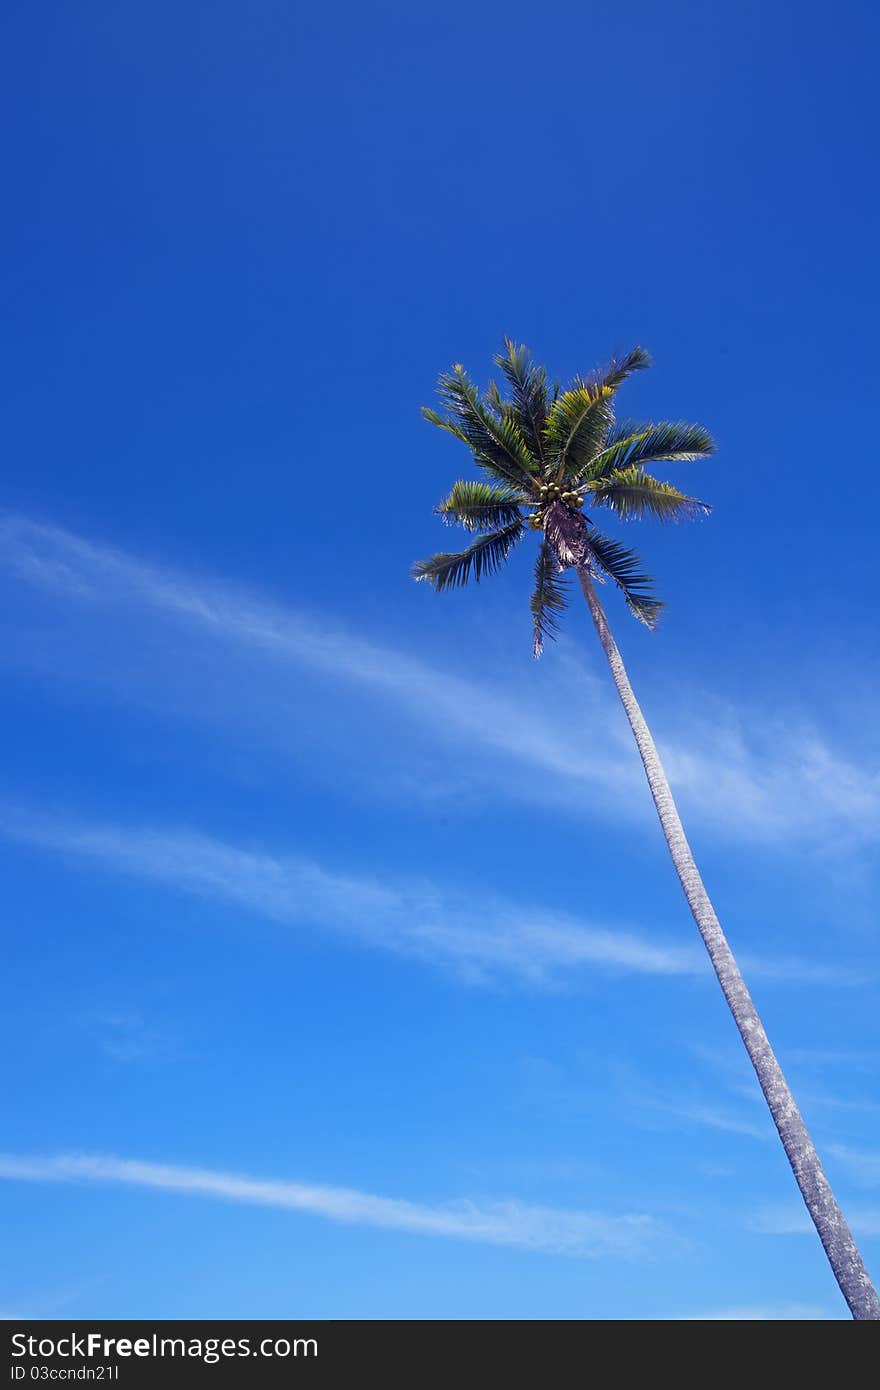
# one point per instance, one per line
(444, 423)
(528, 389)
(577, 423)
(485, 556)
(619, 368)
(632, 494)
(495, 439)
(624, 567)
(480, 506)
(496, 400)
(548, 598)
(630, 445)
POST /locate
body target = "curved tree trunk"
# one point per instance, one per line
(834, 1233)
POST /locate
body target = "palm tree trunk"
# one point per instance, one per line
(834, 1233)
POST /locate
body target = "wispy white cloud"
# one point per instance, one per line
(123, 1035)
(75, 571)
(790, 1221)
(49, 1303)
(862, 1164)
(482, 937)
(768, 1312)
(831, 1058)
(665, 1108)
(734, 1072)
(584, 1234)
(745, 775)
(792, 970)
(717, 1117)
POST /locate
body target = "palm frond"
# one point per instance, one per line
(577, 424)
(619, 368)
(632, 493)
(443, 423)
(528, 389)
(494, 438)
(480, 506)
(548, 598)
(484, 557)
(629, 445)
(624, 567)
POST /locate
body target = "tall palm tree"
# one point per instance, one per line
(544, 453)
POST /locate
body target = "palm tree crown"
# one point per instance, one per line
(545, 453)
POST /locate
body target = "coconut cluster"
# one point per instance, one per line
(552, 492)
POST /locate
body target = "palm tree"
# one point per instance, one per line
(544, 453)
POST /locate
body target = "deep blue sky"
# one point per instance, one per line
(315, 878)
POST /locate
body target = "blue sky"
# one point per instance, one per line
(347, 975)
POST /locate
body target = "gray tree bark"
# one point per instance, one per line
(834, 1233)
